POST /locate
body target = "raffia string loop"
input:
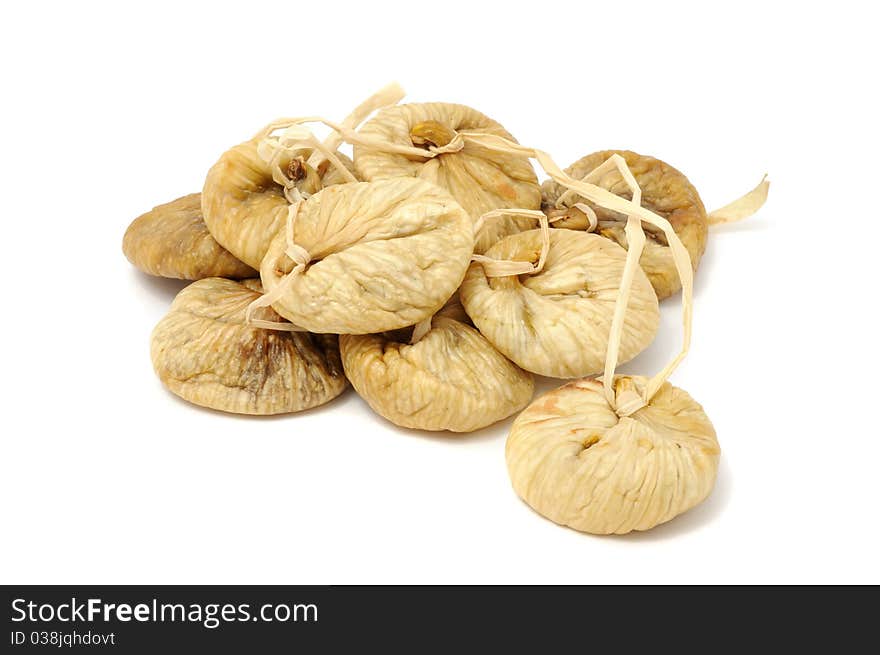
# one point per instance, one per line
(503, 268)
(613, 162)
(386, 96)
(455, 145)
(293, 141)
(589, 212)
(295, 138)
(300, 257)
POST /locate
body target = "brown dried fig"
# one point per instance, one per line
(172, 240)
(244, 207)
(451, 379)
(665, 191)
(205, 353)
(556, 322)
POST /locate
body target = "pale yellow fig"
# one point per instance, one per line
(665, 191)
(204, 352)
(172, 240)
(244, 207)
(556, 322)
(369, 257)
(479, 178)
(450, 379)
(572, 459)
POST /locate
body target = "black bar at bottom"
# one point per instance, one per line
(147, 619)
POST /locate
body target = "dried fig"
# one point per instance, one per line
(450, 379)
(171, 240)
(244, 207)
(204, 352)
(373, 256)
(479, 178)
(572, 459)
(556, 322)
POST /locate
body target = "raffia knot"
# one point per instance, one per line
(628, 402)
(455, 145)
(435, 137)
(298, 254)
(291, 193)
(503, 267)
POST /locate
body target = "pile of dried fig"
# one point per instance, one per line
(434, 272)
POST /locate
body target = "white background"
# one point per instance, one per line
(110, 109)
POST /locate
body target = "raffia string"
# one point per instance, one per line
(348, 134)
(588, 211)
(629, 401)
(292, 142)
(386, 96)
(635, 215)
(742, 207)
(739, 209)
(613, 162)
(301, 259)
(502, 267)
(296, 139)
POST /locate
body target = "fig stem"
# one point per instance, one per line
(431, 133)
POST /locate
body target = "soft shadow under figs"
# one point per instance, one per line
(162, 289)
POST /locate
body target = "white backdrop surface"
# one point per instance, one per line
(113, 108)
